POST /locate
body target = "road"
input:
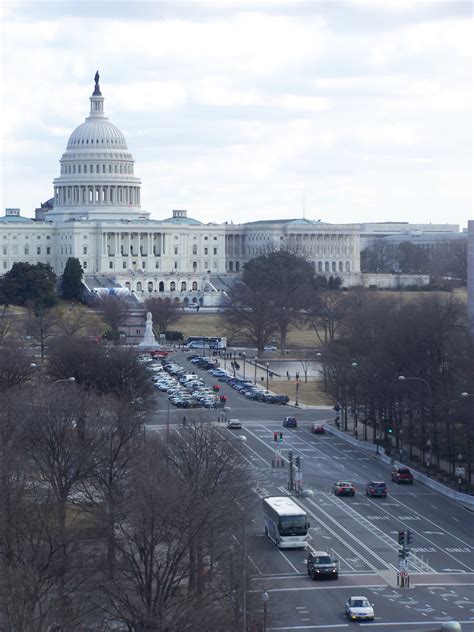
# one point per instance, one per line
(361, 532)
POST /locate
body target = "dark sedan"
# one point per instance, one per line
(376, 489)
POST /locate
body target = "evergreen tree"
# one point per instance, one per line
(71, 286)
(29, 284)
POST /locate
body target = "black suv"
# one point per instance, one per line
(290, 422)
(320, 564)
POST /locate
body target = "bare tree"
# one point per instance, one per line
(77, 321)
(6, 324)
(106, 371)
(327, 313)
(165, 311)
(15, 367)
(250, 315)
(115, 310)
(41, 326)
(182, 507)
(60, 441)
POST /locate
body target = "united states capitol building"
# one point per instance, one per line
(95, 215)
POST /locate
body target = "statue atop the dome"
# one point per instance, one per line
(97, 87)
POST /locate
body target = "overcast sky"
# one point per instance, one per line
(344, 110)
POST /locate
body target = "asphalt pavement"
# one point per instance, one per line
(361, 532)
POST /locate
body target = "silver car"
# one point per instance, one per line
(359, 608)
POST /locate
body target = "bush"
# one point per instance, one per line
(174, 335)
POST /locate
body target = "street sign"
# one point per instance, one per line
(460, 471)
(402, 565)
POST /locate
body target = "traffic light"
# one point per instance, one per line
(298, 461)
(290, 456)
(281, 437)
(275, 436)
(390, 428)
(337, 408)
(409, 538)
(401, 538)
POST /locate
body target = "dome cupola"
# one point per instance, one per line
(97, 179)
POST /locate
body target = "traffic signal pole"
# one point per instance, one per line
(403, 576)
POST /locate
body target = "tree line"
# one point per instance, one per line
(425, 339)
(105, 524)
(444, 260)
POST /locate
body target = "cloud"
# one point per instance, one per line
(231, 109)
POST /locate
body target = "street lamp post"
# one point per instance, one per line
(255, 376)
(243, 356)
(297, 393)
(267, 374)
(402, 378)
(265, 598)
(233, 363)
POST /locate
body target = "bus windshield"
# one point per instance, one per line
(292, 525)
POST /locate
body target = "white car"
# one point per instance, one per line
(359, 608)
(234, 424)
(271, 348)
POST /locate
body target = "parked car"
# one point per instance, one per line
(344, 488)
(359, 608)
(320, 564)
(234, 424)
(376, 489)
(290, 422)
(270, 348)
(402, 475)
(318, 429)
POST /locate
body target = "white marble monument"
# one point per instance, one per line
(149, 341)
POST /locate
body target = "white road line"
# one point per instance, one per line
(341, 539)
(414, 530)
(432, 522)
(290, 563)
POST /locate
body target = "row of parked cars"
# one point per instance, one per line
(245, 387)
(185, 390)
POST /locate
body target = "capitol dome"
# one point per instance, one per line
(97, 133)
(97, 180)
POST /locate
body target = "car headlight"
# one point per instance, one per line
(333, 570)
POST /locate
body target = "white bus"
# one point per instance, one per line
(286, 523)
(207, 342)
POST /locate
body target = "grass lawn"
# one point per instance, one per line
(310, 392)
(212, 325)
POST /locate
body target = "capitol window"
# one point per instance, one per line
(85, 168)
